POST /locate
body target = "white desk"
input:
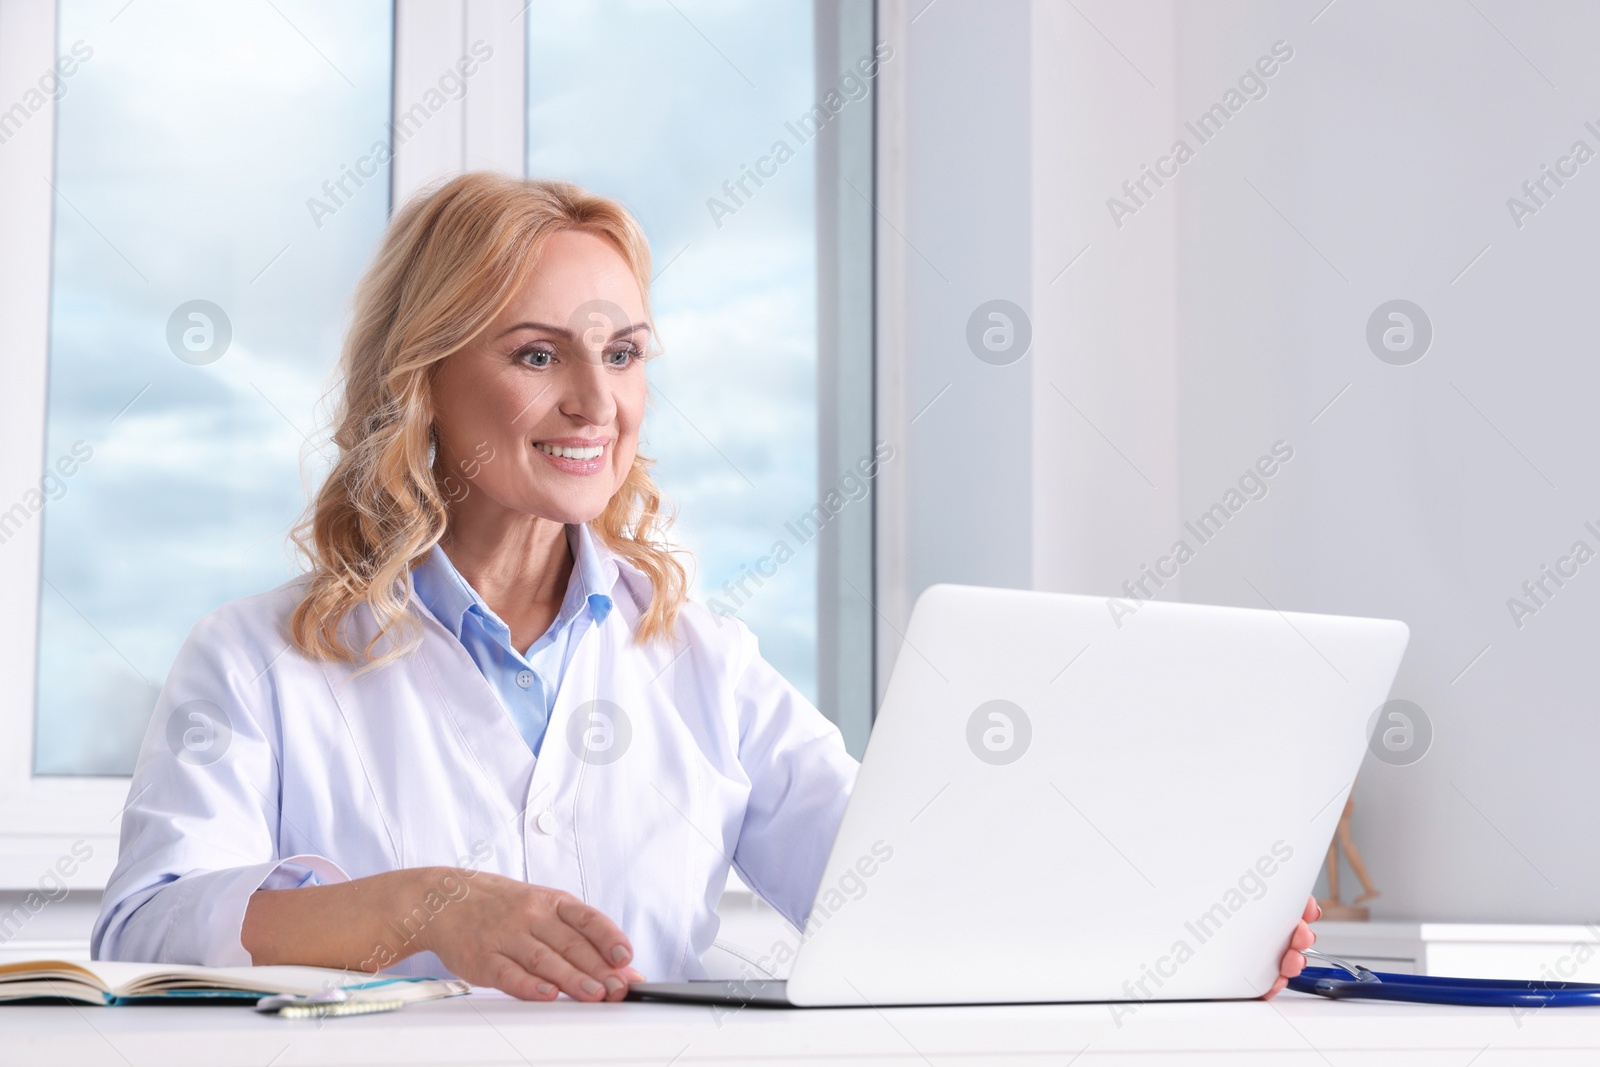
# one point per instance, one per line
(490, 1028)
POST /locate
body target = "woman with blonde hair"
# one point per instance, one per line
(486, 734)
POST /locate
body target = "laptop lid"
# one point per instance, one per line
(1070, 798)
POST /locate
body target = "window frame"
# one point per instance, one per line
(41, 817)
(847, 420)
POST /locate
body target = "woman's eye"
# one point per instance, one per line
(622, 355)
(538, 357)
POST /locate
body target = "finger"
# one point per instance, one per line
(1302, 938)
(1313, 911)
(606, 936)
(544, 962)
(1291, 965)
(577, 950)
(509, 977)
(632, 975)
(1277, 987)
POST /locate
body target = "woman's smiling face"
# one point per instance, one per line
(540, 414)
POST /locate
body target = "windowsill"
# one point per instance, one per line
(1476, 950)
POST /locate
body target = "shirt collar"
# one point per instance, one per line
(449, 596)
(594, 574)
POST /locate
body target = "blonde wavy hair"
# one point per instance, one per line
(450, 262)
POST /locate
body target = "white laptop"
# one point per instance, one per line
(1066, 798)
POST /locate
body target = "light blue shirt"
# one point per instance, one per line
(526, 682)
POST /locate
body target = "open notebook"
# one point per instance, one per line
(113, 982)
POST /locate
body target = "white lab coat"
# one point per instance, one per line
(418, 764)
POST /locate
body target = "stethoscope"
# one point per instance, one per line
(1429, 989)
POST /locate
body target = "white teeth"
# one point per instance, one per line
(570, 453)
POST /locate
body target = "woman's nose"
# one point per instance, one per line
(588, 390)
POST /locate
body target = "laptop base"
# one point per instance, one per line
(755, 992)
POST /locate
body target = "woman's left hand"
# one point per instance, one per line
(1302, 938)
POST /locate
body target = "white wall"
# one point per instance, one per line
(968, 228)
(955, 231)
(1105, 477)
(1226, 314)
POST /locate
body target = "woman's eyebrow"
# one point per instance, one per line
(564, 332)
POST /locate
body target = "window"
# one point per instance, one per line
(734, 132)
(189, 192)
(200, 272)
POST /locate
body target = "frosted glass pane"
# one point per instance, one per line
(189, 148)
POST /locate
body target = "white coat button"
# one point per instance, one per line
(524, 678)
(546, 822)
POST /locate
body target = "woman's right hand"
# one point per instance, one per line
(530, 941)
